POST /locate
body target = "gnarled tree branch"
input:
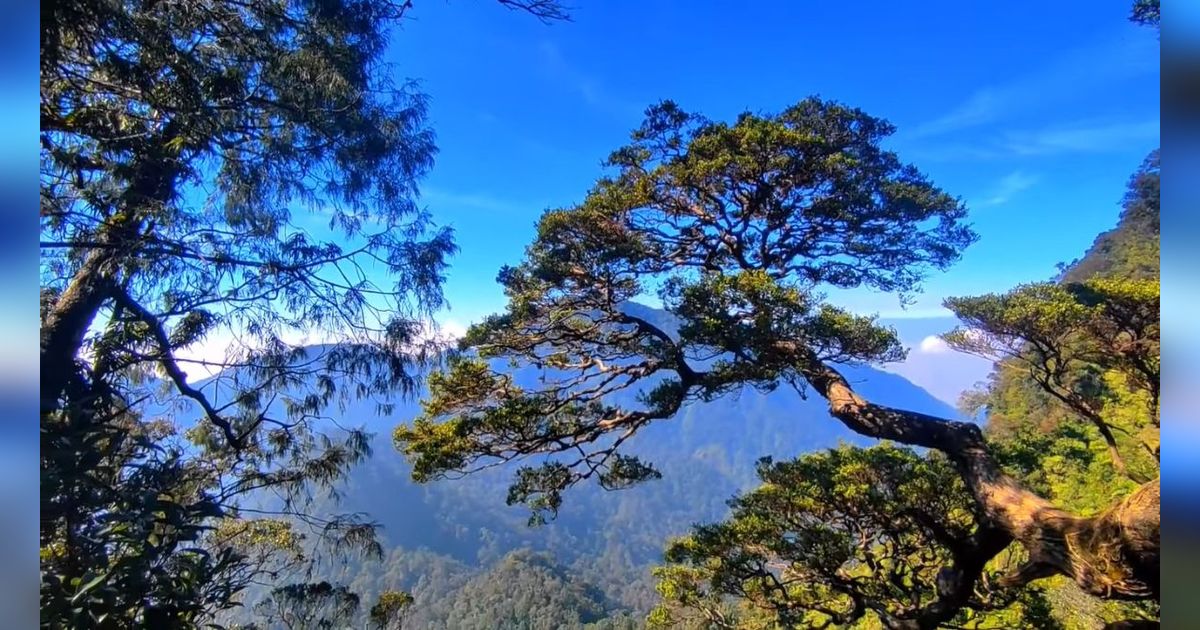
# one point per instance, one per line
(1113, 555)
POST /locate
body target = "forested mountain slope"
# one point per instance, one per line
(468, 558)
(1067, 460)
(1131, 249)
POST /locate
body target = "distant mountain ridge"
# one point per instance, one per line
(462, 528)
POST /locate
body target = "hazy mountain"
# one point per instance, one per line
(447, 535)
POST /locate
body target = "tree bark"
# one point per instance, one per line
(1112, 555)
(66, 323)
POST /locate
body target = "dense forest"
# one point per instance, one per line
(732, 457)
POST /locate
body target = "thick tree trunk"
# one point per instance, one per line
(1113, 555)
(64, 326)
(66, 323)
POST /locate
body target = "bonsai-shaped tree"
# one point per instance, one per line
(737, 227)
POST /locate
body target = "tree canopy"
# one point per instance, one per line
(737, 227)
(178, 142)
(238, 174)
(319, 606)
(1072, 412)
(838, 537)
(244, 175)
(1068, 338)
(1146, 12)
(389, 611)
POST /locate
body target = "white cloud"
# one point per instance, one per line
(1095, 138)
(933, 345)
(981, 107)
(1082, 71)
(207, 357)
(211, 355)
(1061, 139)
(944, 373)
(449, 331)
(588, 87)
(1008, 187)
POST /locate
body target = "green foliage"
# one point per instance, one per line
(747, 312)
(1093, 347)
(807, 192)
(218, 173)
(526, 591)
(1098, 361)
(1131, 249)
(842, 538)
(132, 526)
(1062, 331)
(838, 537)
(521, 590)
(1047, 448)
(137, 530)
(177, 140)
(388, 613)
(735, 225)
(260, 538)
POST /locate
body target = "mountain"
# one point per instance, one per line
(1074, 474)
(451, 540)
(1131, 249)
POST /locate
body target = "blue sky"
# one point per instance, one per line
(1035, 118)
